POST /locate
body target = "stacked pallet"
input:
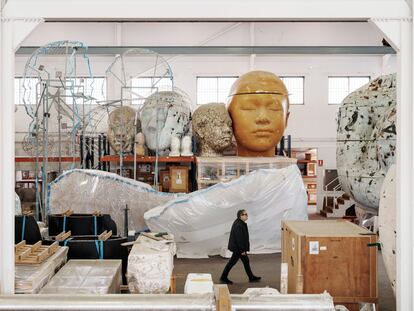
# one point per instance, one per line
(30, 278)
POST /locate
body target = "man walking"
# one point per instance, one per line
(239, 244)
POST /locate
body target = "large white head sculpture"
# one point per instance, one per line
(164, 114)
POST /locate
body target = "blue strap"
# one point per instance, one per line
(64, 223)
(23, 226)
(101, 254)
(66, 241)
(99, 248)
(95, 225)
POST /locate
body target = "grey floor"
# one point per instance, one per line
(268, 267)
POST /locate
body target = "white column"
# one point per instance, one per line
(405, 170)
(7, 159)
(12, 33)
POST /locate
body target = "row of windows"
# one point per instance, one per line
(209, 89)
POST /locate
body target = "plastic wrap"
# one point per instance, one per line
(29, 279)
(198, 283)
(201, 221)
(108, 302)
(259, 291)
(150, 265)
(86, 191)
(17, 206)
(306, 302)
(86, 277)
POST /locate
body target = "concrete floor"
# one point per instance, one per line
(268, 267)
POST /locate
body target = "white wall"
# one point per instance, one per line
(311, 125)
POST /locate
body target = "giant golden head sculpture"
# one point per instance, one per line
(259, 108)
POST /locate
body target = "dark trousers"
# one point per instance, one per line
(233, 260)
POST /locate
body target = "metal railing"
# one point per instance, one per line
(337, 192)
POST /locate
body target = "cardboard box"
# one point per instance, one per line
(333, 255)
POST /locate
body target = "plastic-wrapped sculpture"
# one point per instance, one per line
(212, 129)
(201, 221)
(258, 105)
(122, 127)
(165, 114)
(87, 191)
(366, 139)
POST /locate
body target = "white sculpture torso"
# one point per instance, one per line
(186, 146)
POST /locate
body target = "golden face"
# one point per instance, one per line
(259, 121)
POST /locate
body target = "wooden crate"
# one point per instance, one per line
(333, 255)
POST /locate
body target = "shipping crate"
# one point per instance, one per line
(333, 255)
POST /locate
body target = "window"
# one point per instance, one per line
(143, 87)
(295, 87)
(217, 89)
(25, 93)
(213, 89)
(340, 87)
(94, 87)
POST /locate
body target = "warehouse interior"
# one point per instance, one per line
(128, 166)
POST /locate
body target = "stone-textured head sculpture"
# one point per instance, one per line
(258, 105)
(366, 139)
(163, 115)
(212, 129)
(122, 129)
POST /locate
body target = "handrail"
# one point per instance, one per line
(332, 181)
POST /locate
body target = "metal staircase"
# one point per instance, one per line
(335, 200)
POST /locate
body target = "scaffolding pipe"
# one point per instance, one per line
(107, 302)
(207, 302)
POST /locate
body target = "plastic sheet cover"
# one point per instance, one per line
(17, 205)
(150, 266)
(201, 221)
(86, 277)
(302, 302)
(29, 279)
(87, 191)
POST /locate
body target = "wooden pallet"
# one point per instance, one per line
(33, 254)
(63, 236)
(105, 235)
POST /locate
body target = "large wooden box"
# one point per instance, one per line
(333, 255)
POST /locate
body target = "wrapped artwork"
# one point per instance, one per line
(150, 266)
(87, 191)
(201, 220)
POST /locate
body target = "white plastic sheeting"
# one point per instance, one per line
(87, 191)
(86, 277)
(201, 221)
(150, 266)
(29, 279)
(17, 205)
(291, 302)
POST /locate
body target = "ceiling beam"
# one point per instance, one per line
(215, 10)
(231, 50)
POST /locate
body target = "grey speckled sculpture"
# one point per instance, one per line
(212, 128)
(122, 129)
(164, 114)
(366, 139)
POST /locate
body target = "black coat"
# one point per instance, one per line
(239, 237)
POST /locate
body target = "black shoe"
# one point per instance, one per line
(255, 279)
(225, 280)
